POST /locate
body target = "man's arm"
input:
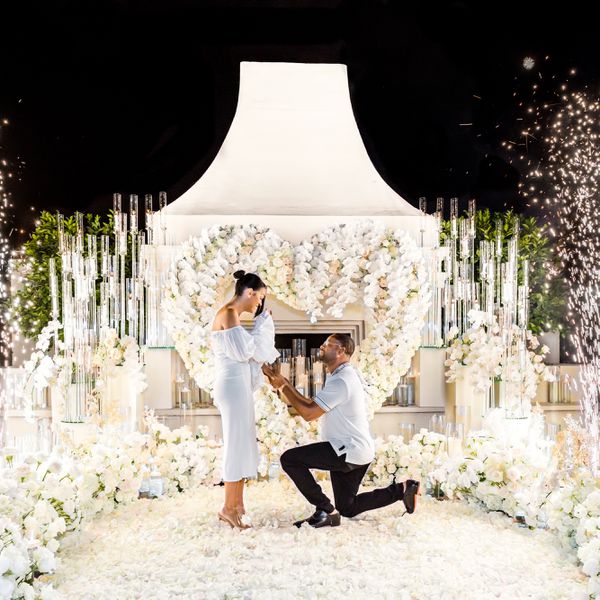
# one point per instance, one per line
(307, 408)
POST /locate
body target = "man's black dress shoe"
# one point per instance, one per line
(321, 519)
(411, 491)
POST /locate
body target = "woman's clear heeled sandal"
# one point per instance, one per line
(233, 522)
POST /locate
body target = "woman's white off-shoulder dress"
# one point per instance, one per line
(239, 355)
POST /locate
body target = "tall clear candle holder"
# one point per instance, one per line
(150, 233)
(133, 213)
(490, 277)
(103, 282)
(162, 223)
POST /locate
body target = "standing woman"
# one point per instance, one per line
(239, 357)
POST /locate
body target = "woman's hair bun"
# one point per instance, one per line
(239, 274)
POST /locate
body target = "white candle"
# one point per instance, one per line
(302, 383)
(285, 369)
(454, 447)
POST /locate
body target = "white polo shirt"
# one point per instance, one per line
(345, 425)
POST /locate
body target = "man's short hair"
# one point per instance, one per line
(345, 341)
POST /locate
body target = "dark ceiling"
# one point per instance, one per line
(138, 96)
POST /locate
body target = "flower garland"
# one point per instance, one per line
(384, 270)
(344, 264)
(395, 459)
(201, 276)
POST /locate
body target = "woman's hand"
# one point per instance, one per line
(276, 379)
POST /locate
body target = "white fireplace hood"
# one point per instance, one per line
(293, 149)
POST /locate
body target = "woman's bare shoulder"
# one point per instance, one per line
(226, 318)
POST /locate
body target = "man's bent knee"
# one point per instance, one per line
(287, 458)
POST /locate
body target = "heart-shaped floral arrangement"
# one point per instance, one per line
(364, 262)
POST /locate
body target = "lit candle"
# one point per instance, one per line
(133, 213)
(285, 370)
(454, 447)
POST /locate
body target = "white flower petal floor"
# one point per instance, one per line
(175, 548)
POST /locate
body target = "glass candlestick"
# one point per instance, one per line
(133, 213)
(148, 219)
(162, 205)
(422, 219)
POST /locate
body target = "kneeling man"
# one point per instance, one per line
(347, 448)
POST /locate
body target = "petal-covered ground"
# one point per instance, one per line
(176, 548)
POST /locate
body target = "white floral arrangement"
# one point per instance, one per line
(511, 479)
(42, 368)
(395, 459)
(184, 459)
(20, 562)
(525, 373)
(362, 262)
(114, 351)
(481, 352)
(480, 348)
(517, 478)
(587, 537)
(47, 496)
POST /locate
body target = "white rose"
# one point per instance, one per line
(26, 591)
(7, 587)
(57, 526)
(591, 566)
(13, 560)
(44, 559)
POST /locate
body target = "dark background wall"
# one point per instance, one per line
(137, 96)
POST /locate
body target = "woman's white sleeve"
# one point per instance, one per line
(238, 344)
(264, 348)
(264, 339)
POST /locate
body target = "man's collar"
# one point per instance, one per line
(340, 367)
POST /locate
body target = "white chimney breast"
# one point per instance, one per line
(293, 148)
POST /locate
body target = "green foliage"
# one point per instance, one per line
(547, 294)
(32, 308)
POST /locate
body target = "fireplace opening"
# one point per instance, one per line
(299, 361)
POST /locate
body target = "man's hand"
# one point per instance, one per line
(306, 407)
(276, 379)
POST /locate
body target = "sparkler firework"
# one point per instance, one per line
(6, 218)
(564, 185)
